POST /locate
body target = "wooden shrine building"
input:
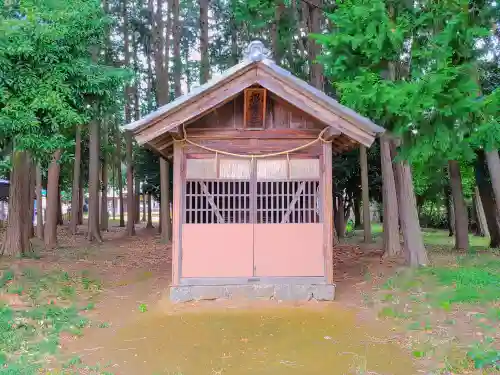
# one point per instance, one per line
(252, 192)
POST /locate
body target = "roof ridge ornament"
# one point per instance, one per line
(256, 51)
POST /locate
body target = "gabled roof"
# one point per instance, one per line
(254, 69)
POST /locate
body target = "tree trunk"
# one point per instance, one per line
(205, 62)
(450, 217)
(75, 192)
(60, 220)
(279, 7)
(340, 218)
(487, 200)
(16, 241)
(143, 207)
(162, 87)
(367, 230)
(168, 32)
(234, 40)
(113, 203)
(357, 213)
(410, 225)
(166, 226)
(150, 216)
(53, 201)
(130, 187)
(303, 42)
(80, 201)
(137, 211)
(128, 135)
(160, 219)
(460, 209)
(177, 33)
(119, 176)
(104, 182)
(480, 215)
(493, 162)
(39, 203)
(392, 246)
(32, 196)
(316, 68)
(94, 232)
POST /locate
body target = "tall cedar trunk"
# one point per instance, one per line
(161, 72)
(166, 224)
(449, 214)
(234, 40)
(60, 220)
(275, 32)
(397, 177)
(16, 241)
(493, 162)
(118, 167)
(392, 246)
(414, 248)
(367, 230)
(290, 48)
(130, 186)
(137, 210)
(94, 232)
(143, 207)
(314, 46)
(39, 203)
(475, 227)
(205, 62)
(31, 187)
(150, 216)
(177, 32)
(357, 212)
(75, 192)
(113, 202)
(304, 25)
(80, 201)
(168, 32)
(159, 221)
(480, 215)
(460, 209)
(53, 201)
(104, 182)
(128, 136)
(340, 218)
(486, 194)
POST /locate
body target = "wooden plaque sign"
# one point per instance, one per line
(255, 108)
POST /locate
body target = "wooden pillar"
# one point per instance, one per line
(166, 226)
(363, 161)
(328, 233)
(177, 216)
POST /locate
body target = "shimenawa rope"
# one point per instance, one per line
(254, 156)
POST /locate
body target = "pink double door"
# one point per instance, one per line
(262, 226)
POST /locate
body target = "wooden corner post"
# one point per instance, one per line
(177, 213)
(328, 210)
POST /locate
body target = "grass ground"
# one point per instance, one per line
(37, 310)
(101, 310)
(450, 311)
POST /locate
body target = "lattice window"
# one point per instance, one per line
(217, 202)
(288, 202)
(219, 191)
(254, 114)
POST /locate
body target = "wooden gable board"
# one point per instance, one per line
(277, 80)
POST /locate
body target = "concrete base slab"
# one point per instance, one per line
(282, 292)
